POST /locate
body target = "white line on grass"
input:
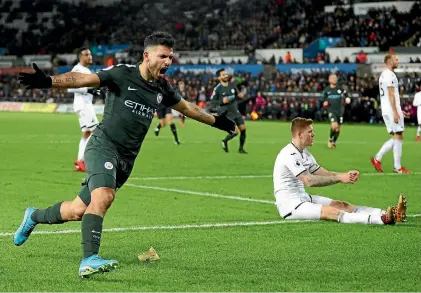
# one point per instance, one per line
(171, 227)
(234, 197)
(246, 176)
(201, 193)
(176, 227)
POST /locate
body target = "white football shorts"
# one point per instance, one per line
(309, 209)
(391, 126)
(87, 118)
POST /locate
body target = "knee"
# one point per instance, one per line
(346, 206)
(329, 213)
(77, 213)
(102, 198)
(337, 204)
(77, 209)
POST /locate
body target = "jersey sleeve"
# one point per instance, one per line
(324, 95)
(110, 76)
(216, 97)
(295, 163)
(170, 95)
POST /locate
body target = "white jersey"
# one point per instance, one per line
(388, 79)
(81, 94)
(417, 103)
(288, 188)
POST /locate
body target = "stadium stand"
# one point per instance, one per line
(29, 27)
(58, 27)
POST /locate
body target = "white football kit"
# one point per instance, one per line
(292, 201)
(417, 103)
(82, 103)
(388, 79)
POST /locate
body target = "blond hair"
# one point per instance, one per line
(299, 124)
(388, 56)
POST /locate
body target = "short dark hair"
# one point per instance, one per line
(159, 38)
(218, 72)
(79, 51)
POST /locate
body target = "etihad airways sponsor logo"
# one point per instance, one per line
(140, 109)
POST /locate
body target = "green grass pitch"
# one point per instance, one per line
(207, 213)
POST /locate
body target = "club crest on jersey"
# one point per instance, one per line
(339, 91)
(108, 165)
(232, 90)
(159, 98)
(297, 163)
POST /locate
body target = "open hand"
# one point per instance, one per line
(36, 80)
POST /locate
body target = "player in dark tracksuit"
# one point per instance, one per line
(333, 95)
(224, 99)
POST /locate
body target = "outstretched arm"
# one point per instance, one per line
(193, 111)
(40, 80)
(75, 80)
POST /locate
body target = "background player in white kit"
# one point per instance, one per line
(417, 103)
(82, 105)
(393, 116)
(296, 167)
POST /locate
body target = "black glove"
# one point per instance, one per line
(95, 92)
(224, 123)
(36, 80)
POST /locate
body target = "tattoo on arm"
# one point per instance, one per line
(71, 80)
(202, 115)
(74, 80)
(319, 181)
(57, 80)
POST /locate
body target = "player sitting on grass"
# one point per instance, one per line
(296, 167)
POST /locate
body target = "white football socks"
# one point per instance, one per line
(359, 218)
(368, 210)
(387, 146)
(81, 151)
(397, 153)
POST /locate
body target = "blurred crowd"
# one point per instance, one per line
(38, 27)
(279, 96)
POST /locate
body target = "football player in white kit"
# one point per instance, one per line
(295, 167)
(417, 103)
(82, 105)
(393, 116)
